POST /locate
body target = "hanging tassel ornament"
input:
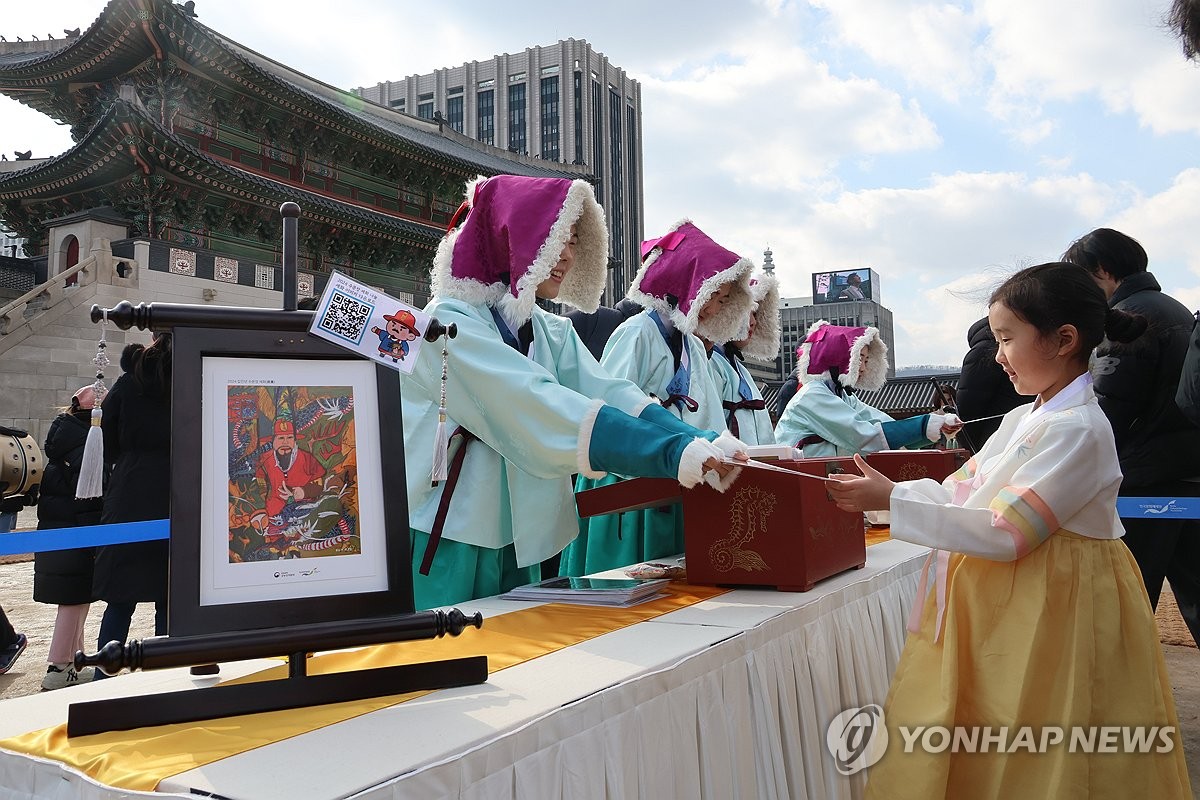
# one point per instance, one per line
(91, 470)
(441, 440)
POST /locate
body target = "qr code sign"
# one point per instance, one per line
(346, 317)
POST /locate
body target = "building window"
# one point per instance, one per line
(598, 140)
(550, 126)
(454, 112)
(486, 106)
(551, 70)
(397, 104)
(616, 213)
(516, 119)
(517, 77)
(454, 90)
(425, 105)
(489, 83)
(631, 162)
(578, 117)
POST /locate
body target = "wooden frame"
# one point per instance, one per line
(197, 349)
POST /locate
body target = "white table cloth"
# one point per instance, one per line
(728, 698)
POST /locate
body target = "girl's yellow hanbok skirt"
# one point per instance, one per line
(1062, 637)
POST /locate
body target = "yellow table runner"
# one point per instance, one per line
(139, 759)
(877, 534)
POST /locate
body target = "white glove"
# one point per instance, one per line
(731, 445)
(691, 465)
(941, 423)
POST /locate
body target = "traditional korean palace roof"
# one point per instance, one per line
(126, 137)
(909, 395)
(198, 139)
(129, 32)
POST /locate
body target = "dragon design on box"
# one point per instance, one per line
(747, 516)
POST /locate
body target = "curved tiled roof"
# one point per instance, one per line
(909, 395)
(123, 36)
(126, 133)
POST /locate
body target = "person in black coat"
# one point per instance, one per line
(64, 577)
(594, 329)
(1188, 395)
(984, 389)
(787, 391)
(137, 443)
(1136, 384)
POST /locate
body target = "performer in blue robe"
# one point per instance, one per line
(746, 414)
(528, 405)
(688, 285)
(824, 418)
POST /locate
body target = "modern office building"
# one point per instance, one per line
(564, 103)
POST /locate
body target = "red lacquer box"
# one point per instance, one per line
(768, 529)
(910, 465)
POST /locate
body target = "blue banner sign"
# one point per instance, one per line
(1159, 507)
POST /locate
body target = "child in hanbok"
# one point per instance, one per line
(825, 419)
(527, 403)
(1037, 619)
(688, 285)
(746, 413)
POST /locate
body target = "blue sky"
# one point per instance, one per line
(942, 144)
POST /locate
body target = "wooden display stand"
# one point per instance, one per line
(284, 623)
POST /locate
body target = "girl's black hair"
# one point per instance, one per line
(1112, 251)
(1051, 295)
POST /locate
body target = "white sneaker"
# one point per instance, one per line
(60, 677)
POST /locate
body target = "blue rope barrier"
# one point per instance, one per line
(87, 536)
(1159, 507)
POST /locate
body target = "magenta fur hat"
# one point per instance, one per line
(764, 342)
(515, 229)
(689, 266)
(827, 346)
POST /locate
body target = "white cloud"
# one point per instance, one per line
(1117, 50)
(842, 133)
(794, 123)
(930, 44)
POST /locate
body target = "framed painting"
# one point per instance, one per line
(288, 494)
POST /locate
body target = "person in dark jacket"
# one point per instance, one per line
(984, 389)
(137, 443)
(787, 391)
(1188, 395)
(1136, 384)
(594, 329)
(64, 577)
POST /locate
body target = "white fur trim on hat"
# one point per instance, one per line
(581, 288)
(442, 282)
(730, 324)
(803, 353)
(765, 341)
(650, 301)
(876, 373)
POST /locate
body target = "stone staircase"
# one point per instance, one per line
(47, 338)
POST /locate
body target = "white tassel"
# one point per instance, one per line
(441, 444)
(441, 439)
(91, 470)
